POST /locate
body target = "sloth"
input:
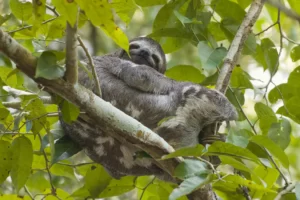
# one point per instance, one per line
(136, 85)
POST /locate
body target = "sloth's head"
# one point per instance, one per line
(147, 51)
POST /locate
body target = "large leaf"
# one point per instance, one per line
(48, 68)
(273, 148)
(22, 10)
(100, 14)
(187, 151)
(295, 53)
(67, 9)
(240, 79)
(5, 160)
(280, 133)
(229, 9)
(69, 111)
(118, 187)
(189, 168)
(210, 58)
(64, 148)
(22, 156)
(96, 180)
(221, 148)
(190, 184)
(125, 9)
(266, 116)
(185, 73)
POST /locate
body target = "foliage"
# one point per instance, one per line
(262, 147)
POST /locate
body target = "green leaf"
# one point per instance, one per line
(266, 116)
(267, 55)
(234, 163)
(37, 113)
(64, 148)
(96, 180)
(8, 76)
(230, 27)
(100, 14)
(189, 185)
(5, 160)
(228, 9)
(187, 151)
(48, 68)
(146, 3)
(22, 10)
(118, 187)
(5, 117)
(210, 58)
(38, 181)
(39, 11)
(285, 91)
(240, 79)
(295, 53)
(69, 111)
(238, 180)
(273, 148)
(239, 137)
(221, 148)
(294, 77)
(185, 73)
(268, 175)
(292, 106)
(280, 133)
(189, 168)
(124, 9)
(22, 156)
(67, 9)
(63, 170)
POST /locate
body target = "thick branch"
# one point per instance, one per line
(71, 74)
(237, 45)
(110, 119)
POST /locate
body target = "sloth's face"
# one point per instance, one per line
(148, 52)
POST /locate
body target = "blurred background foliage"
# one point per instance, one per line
(195, 35)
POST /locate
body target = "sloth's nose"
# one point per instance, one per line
(144, 52)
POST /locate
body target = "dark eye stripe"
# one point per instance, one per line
(155, 58)
(134, 46)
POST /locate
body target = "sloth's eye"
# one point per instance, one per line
(134, 46)
(155, 58)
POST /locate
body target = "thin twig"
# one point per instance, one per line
(30, 26)
(144, 189)
(92, 65)
(27, 191)
(257, 34)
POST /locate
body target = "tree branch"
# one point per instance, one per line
(237, 45)
(71, 74)
(289, 12)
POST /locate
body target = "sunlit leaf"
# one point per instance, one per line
(96, 180)
(125, 9)
(295, 53)
(118, 187)
(68, 9)
(229, 9)
(22, 10)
